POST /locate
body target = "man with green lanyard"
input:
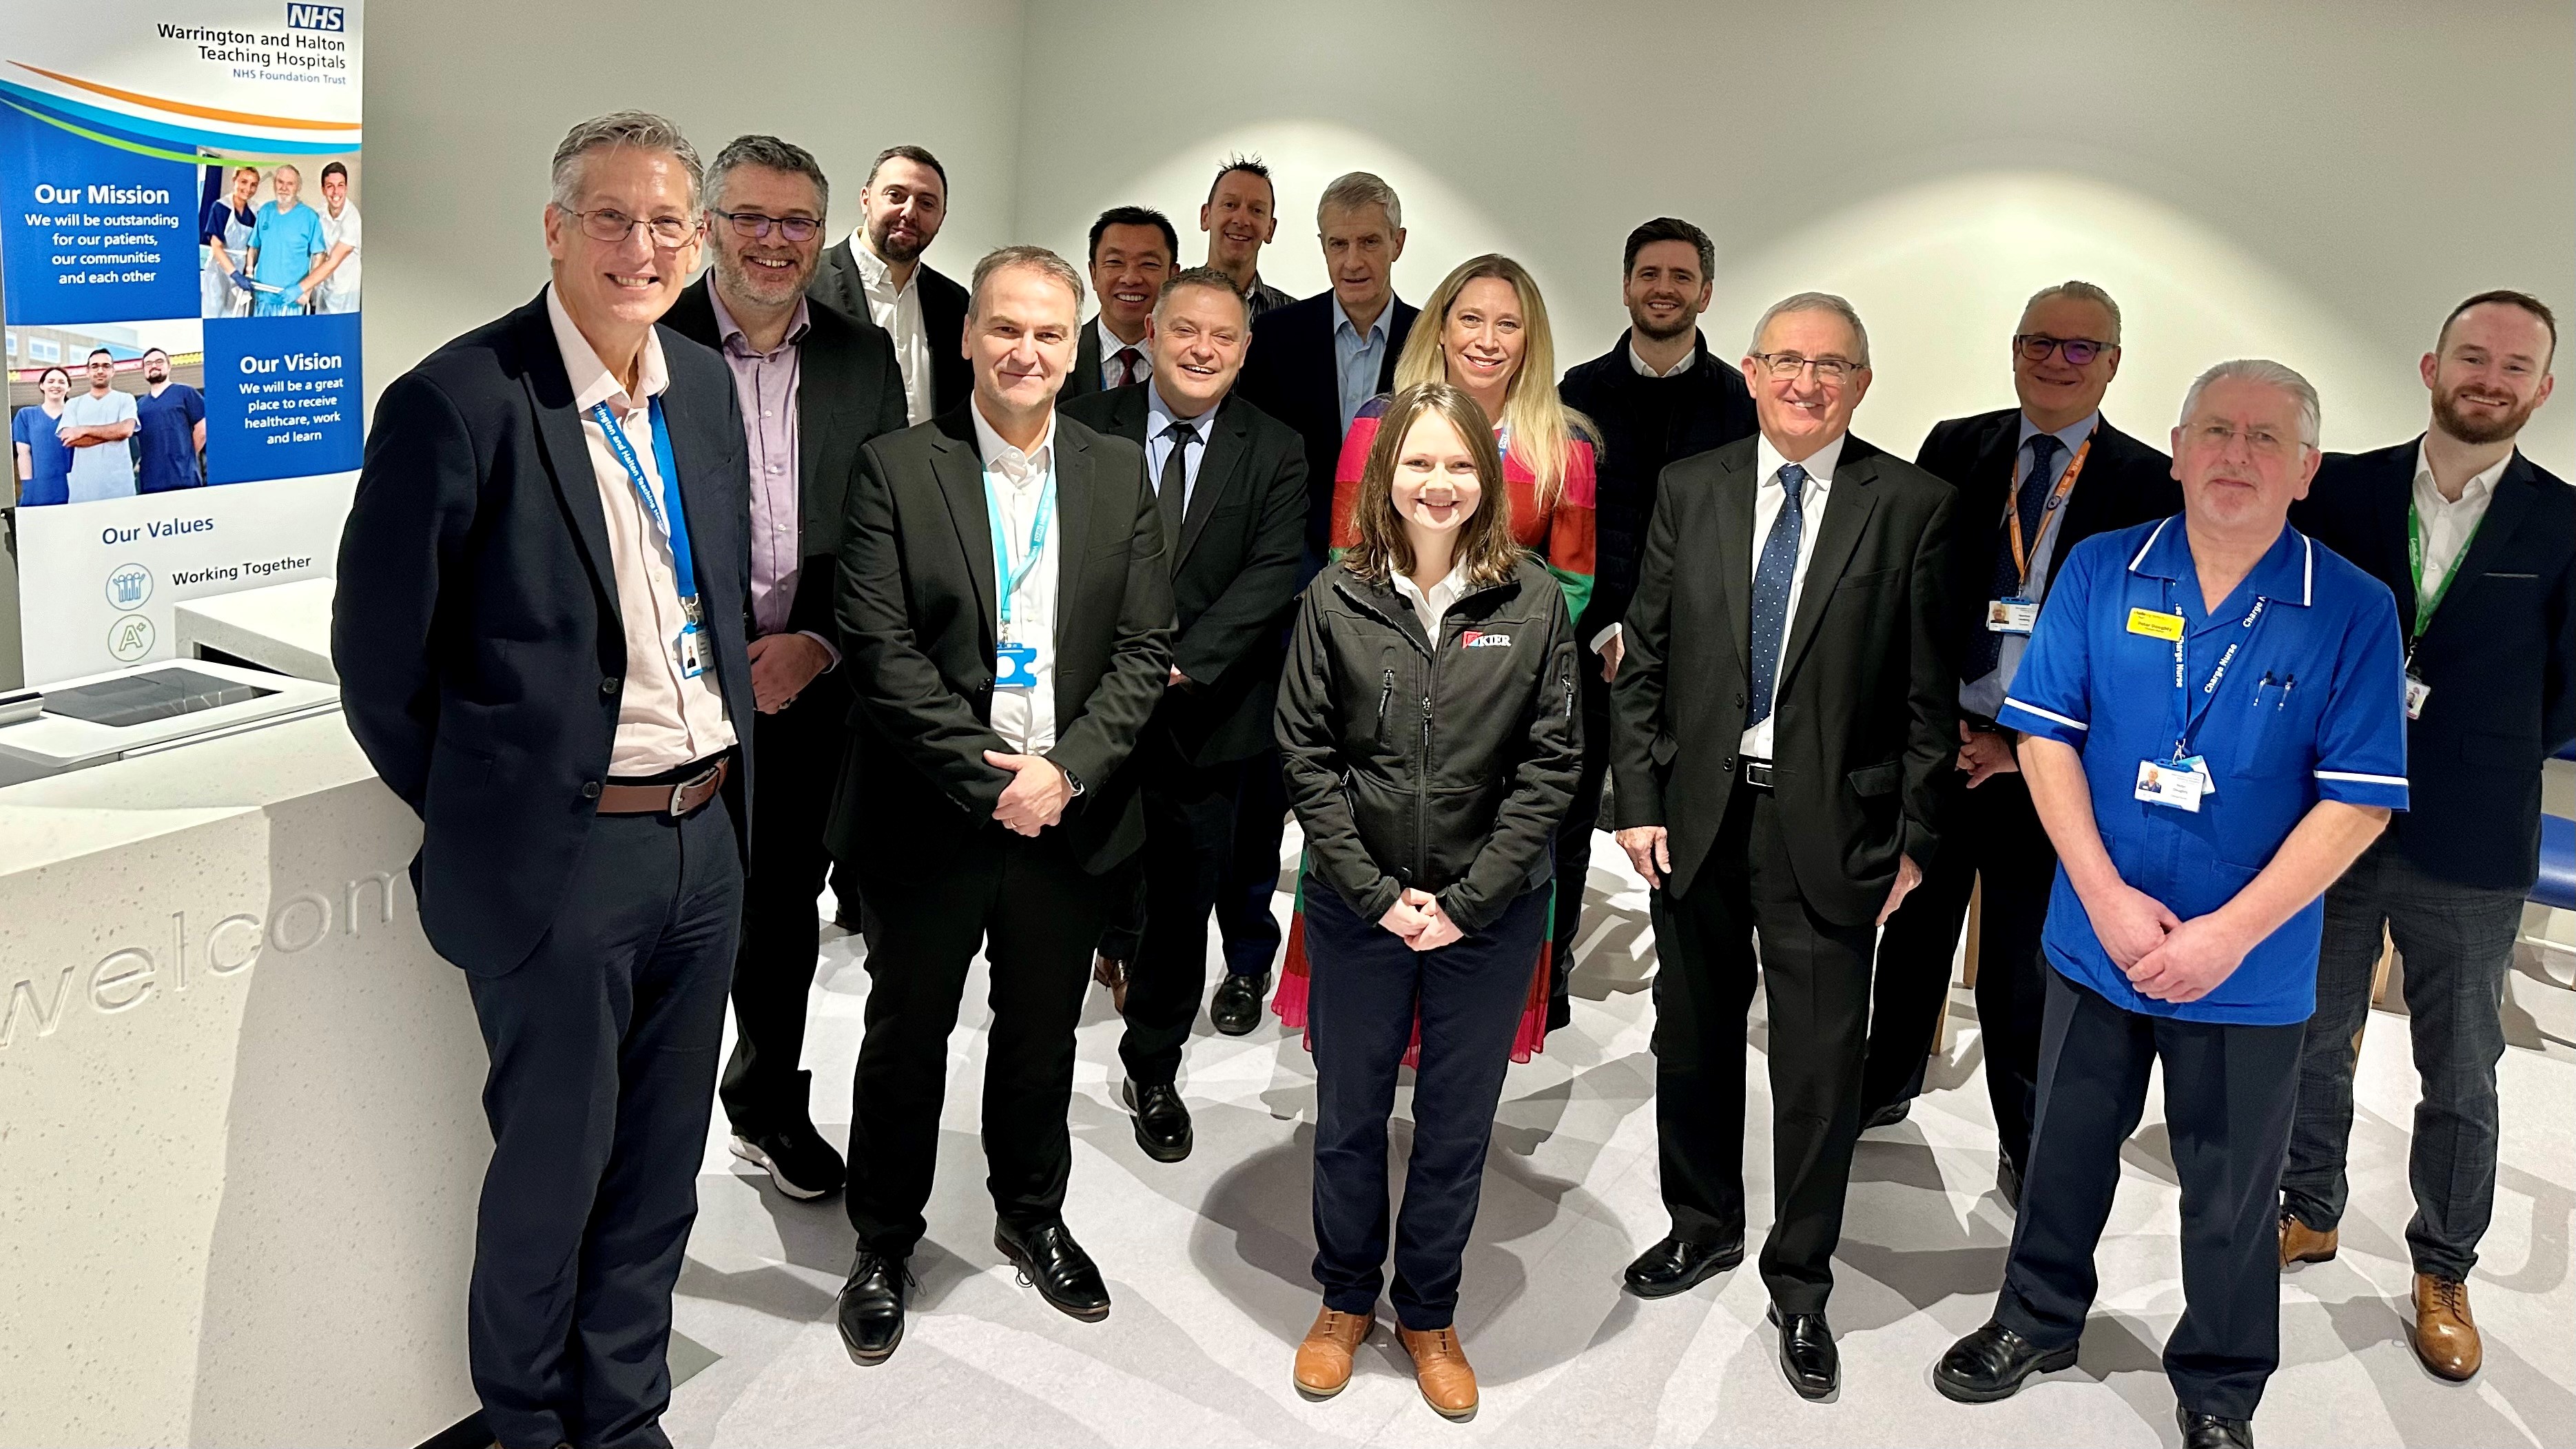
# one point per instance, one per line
(2479, 547)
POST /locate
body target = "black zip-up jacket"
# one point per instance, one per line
(1441, 769)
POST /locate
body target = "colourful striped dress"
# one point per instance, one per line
(1560, 537)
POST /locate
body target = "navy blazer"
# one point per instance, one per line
(1290, 374)
(2500, 656)
(476, 628)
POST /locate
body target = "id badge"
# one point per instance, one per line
(2170, 784)
(2011, 616)
(1015, 666)
(690, 650)
(2417, 691)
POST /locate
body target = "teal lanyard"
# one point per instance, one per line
(1010, 575)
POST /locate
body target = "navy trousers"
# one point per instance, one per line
(603, 1074)
(1364, 990)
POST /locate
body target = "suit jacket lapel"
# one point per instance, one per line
(711, 524)
(1076, 499)
(567, 454)
(1735, 559)
(1225, 450)
(1847, 508)
(2513, 499)
(822, 377)
(961, 480)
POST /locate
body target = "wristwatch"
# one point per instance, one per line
(1070, 778)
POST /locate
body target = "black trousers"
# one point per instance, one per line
(1243, 917)
(603, 1051)
(1366, 987)
(1815, 978)
(1189, 842)
(800, 757)
(1036, 915)
(1574, 841)
(2228, 1092)
(1992, 832)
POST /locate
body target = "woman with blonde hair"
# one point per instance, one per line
(1428, 739)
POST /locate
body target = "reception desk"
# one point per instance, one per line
(242, 1140)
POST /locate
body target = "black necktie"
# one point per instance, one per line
(1172, 494)
(1131, 365)
(2031, 502)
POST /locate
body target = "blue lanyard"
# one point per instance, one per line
(665, 511)
(2193, 714)
(1012, 576)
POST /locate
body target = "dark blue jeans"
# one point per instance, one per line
(1365, 988)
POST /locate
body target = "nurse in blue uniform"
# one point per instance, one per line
(2213, 721)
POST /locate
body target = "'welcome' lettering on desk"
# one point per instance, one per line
(130, 976)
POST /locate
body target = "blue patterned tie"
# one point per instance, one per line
(1771, 590)
(1986, 653)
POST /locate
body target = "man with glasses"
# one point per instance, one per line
(2033, 481)
(539, 636)
(2212, 727)
(1780, 724)
(813, 385)
(288, 243)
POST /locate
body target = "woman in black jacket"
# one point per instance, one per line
(1427, 728)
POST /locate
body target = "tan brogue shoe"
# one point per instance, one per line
(2303, 1244)
(1324, 1359)
(1440, 1366)
(2446, 1337)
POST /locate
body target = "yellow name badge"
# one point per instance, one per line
(2155, 624)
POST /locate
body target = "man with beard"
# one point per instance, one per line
(814, 385)
(1656, 397)
(2479, 547)
(877, 273)
(170, 430)
(1240, 217)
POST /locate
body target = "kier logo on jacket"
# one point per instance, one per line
(1477, 639)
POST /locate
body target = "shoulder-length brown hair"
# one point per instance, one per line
(1485, 543)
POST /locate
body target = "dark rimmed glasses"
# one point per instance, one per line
(2078, 351)
(754, 226)
(1790, 364)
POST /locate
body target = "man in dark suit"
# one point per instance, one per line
(1230, 483)
(1313, 364)
(2479, 546)
(877, 273)
(2033, 482)
(1781, 720)
(1133, 250)
(1005, 606)
(539, 635)
(1655, 396)
(813, 385)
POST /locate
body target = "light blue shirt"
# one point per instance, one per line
(1984, 698)
(1356, 359)
(1158, 449)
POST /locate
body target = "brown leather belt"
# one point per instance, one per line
(680, 799)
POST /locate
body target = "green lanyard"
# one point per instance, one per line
(2425, 603)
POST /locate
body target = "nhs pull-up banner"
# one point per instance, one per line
(181, 264)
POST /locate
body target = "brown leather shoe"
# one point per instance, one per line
(1324, 1359)
(1440, 1366)
(2446, 1337)
(2303, 1244)
(1111, 972)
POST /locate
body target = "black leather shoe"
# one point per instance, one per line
(1162, 1121)
(870, 1311)
(1236, 1007)
(1807, 1353)
(2008, 1182)
(1991, 1363)
(1050, 1261)
(798, 1160)
(1887, 1116)
(1674, 1266)
(2208, 1431)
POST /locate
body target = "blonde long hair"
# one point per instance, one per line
(1542, 427)
(1485, 544)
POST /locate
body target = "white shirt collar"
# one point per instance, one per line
(592, 382)
(2429, 493)
(1819, 464)
(873, 269)
(1432, 607)
(1015, 467)
(1643, 370)
(1110, 343)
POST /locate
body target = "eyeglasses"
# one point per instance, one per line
(2261, 442)
(1790, 364)
(613, 226)
(2079, 351)
(752, 225)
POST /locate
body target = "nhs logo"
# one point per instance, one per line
(333, 18)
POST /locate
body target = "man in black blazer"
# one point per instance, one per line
(813, 385)
(552, 676)
(1230, 483)
(1005, 607)
(1784, 712)
(2479, 546)
(2033, 482)
(1132, 255)
(876, 272)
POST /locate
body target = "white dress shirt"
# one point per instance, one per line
(1767, 501)
(2448, 526)
(663, 720)
(1431, 608)
(1025, 718)
(899, 313)
(1159, 418)
(1109, 349)
(1638, 364)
